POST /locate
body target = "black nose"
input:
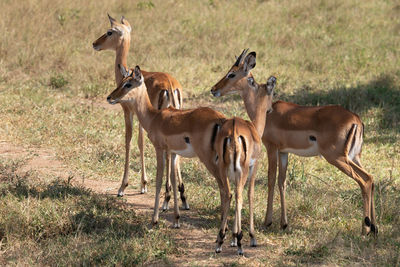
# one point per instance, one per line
(108, 98)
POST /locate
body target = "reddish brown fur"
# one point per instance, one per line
(306, 131)
(156, 83)
(190, 133)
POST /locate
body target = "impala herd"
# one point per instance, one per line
(230, 147)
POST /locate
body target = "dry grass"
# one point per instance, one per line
(344, 52)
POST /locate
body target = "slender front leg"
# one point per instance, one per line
(252, 175)
(181, 186)
(143, 180)
(160, 172)
(283, 162)
(128, 116)
(167, 183)
(175, 189)
(272, 162)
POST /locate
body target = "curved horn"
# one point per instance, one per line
(241, 57)
(112, 20)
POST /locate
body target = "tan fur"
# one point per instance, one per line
(171, 130)
(156, 82)
(290, 128)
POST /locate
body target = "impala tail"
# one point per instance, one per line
(354, 140)
(234, 149)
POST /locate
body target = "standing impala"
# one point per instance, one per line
(238, 146)
(330, 131)
(163, 90)
(228, 148)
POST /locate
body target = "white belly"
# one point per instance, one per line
(188, 152)
(307, 152)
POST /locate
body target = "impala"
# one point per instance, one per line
(228, 148)
(238, 146)
(163, 90)
(329, 131)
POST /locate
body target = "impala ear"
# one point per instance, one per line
(112, 20)
(138, 73)
(123, 70)
(271, 83)
(251, 82)
(126, 23)
(249, 62)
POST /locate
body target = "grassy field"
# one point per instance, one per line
(52, 81)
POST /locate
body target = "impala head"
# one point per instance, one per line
(239, 70)
(261, 90)
(129, 83)
(114, 36)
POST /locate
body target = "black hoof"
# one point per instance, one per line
(267, 225)
(284, 227)
(367, 221)
(374, 229)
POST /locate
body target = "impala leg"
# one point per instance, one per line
(357, 160)
(370, 188)
(128, 116)
(238, 211)
(167, 183)
(160, 154)
(225, 204)
(283, 162)
(234, 229)
(221, 194)
(181, 186)
(366, 184)
(374, 228)
(272, 163)
(175, 189)
(252, 175)
(143, 180)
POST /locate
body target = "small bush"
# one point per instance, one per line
(58, 81)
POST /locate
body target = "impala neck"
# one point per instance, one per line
(260, 114)
(143, 108)
(256, 104)
(121, 57)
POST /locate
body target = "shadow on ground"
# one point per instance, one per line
(382, 92)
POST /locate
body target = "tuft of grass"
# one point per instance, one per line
(58, 81)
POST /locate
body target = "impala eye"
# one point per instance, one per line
(109, 33)
(231, 75)
(128, 85)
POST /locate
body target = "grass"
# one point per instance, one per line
(341, 52)
(51, 222)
